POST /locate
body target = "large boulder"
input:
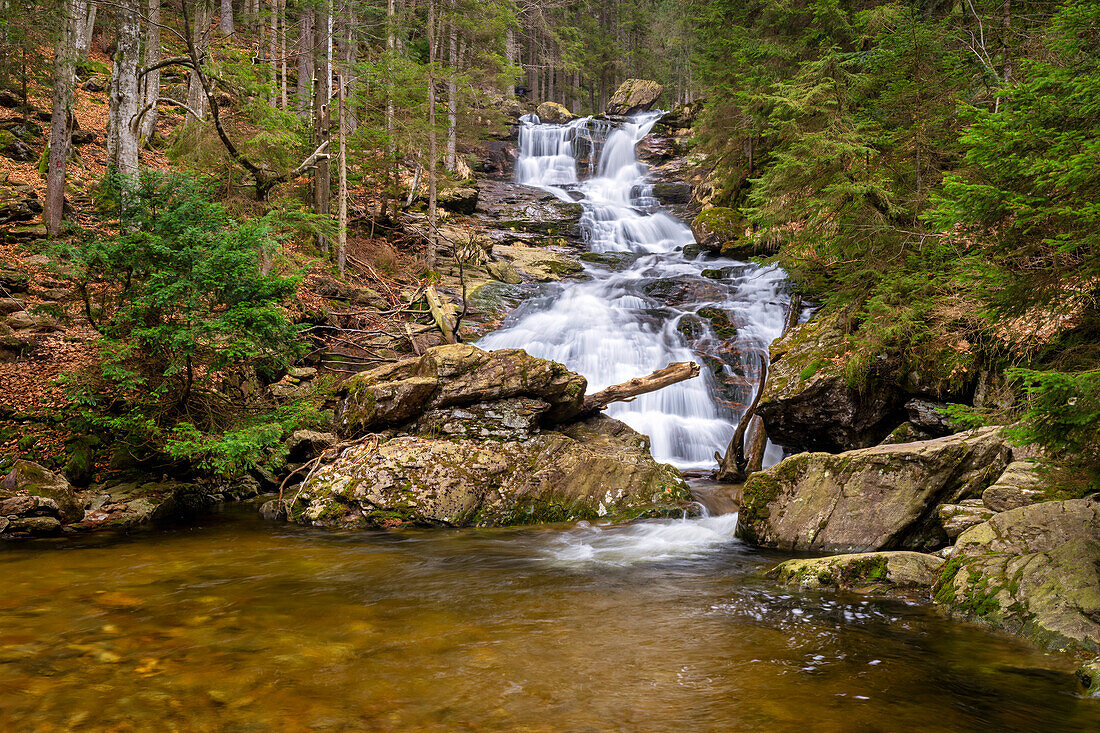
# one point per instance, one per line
(877, 498)
(453, 376)
(554, 113)
(1034, 571)
(634, 95)
(808, 401)
(872, 572)
(1018, 486)
(31, 479)
(490, 465)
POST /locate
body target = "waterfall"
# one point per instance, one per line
(618, 324)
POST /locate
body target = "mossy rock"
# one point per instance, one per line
(719, 322)
(718, 225)
(869, 572)
(1033, 571)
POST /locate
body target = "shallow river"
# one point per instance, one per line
(240, 625)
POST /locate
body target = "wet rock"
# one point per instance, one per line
(808, 402)
(873, 572)
(1033, 571)
(870, 499)
(554, 113)
(29, 506)
(957, 518)
(1019, 485)
(305, 444)
(599, 468)
(1089, 676)
(36, 480)
(634, 95)
(34, 526)
(453, 376)
(672, 193)
(130, 504)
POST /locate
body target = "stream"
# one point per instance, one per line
(243, 625)
(630, 317)
(236, 624)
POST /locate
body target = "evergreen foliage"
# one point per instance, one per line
(182, 312)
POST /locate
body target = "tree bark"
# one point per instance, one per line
(452, 94)
(433, 143)
(305, 62)
(627, 391)
(151, 81)
(322, 182)
(225, 21)
(282, 54)
(122, 138)
(61, 124)
(85, 18)
(196, 99)
(342, 172)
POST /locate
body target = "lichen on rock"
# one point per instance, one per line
(869, 499)
(465, 437)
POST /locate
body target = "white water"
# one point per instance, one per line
(610, 328)
(631, 544)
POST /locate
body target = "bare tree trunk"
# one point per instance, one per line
(322, 183)
(282, 54)
(391, 143)
(151, 81)
(342, 172)
(348, 55)
(196, 98)
(61, 124)
(125, 97)
(273, 50)
(510, 51)
(85, 26)
(433, 145)
(305, 62)
(225, 21)
(452, 94)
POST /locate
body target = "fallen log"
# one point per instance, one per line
(627, 391)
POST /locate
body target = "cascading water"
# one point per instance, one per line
(623, 322)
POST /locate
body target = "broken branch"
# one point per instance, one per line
(671, 374)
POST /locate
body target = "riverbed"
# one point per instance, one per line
(235, 624)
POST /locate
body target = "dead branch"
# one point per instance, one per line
(627, 391)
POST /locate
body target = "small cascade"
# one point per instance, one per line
(622, 322)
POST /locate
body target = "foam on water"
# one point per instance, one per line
(644, 542)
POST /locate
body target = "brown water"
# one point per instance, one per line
(238, 625)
